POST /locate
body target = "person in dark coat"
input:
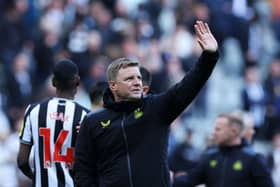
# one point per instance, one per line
(125, 145)
(232, 163)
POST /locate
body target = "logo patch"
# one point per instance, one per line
(105, 124)
(213, 163)
(237, 165)
(138, 113)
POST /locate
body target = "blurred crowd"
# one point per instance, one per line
(34, 34)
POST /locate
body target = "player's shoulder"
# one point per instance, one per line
(212, 150)
(31, 106)
(249, 151)
(82, 107)
(97, 113)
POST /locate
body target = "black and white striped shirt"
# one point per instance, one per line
(50, 126)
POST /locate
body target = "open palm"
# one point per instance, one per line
(204, 37)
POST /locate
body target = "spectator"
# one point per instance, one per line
(96, 94)
(146, 79)
(253, 97)
(19, 87)
(272, 85)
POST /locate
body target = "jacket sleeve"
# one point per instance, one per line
(84, 164)
(261, 175)
(177, 98)
(195, 177)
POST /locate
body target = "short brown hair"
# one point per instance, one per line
(234, 121)
(118, 64)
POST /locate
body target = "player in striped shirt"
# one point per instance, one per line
(50, 127)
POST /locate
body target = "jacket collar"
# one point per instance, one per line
(123, 106)
(234, 147)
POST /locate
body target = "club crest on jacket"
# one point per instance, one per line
(105, 124)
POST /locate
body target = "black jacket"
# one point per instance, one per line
(125, 145)
(236, 166)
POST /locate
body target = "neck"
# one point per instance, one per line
(119, 99)
(66, 95)
(236, 141)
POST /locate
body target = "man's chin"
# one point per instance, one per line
(135, 97)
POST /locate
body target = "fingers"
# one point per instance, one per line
(78, 129)
(207, 28)
(198, 30)
(201, 28)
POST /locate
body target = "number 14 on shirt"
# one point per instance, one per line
(57, 156)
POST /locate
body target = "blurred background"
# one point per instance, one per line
(34, 34)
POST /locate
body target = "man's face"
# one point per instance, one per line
(128, 84)
(223, 132)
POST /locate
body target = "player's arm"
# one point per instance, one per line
(196, 176)
(25, 137)
(23, 160)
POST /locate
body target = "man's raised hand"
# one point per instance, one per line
(205, 38)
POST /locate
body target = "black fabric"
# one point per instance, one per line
(42, 124)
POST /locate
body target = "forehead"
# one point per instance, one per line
(129, 71)
(221, 122)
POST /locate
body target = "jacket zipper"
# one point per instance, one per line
(127, 153)
(223, 171)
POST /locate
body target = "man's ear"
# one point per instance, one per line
(146, 89)
(235, 131)
(77, 80)
(54, 83)
(112, 85)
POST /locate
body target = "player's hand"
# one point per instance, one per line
(78, 127)
(205, 38)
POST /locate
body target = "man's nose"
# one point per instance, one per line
(137, 82)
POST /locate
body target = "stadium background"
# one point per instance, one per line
(34, 34)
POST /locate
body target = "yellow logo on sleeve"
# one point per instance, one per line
(105, 124)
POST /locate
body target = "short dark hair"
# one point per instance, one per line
(146, 76)
(96, 92)
(234, 121)
(65, 75)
